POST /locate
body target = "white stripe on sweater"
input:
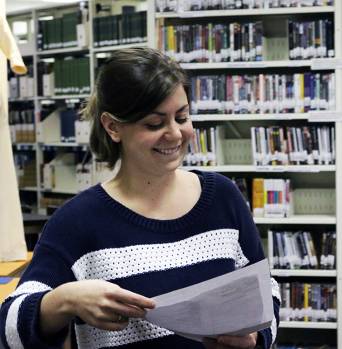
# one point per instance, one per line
(275, 289)
(115, 263)
(274, 329)
(30, 287)
(11, 327)
(138, 330)
(12, 335)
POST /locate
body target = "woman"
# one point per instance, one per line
(152, 229)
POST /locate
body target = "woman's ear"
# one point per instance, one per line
(111, 126)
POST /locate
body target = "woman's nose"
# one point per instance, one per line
(173, 131)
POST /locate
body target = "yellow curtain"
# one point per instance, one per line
(12, 239)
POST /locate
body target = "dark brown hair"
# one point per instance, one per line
(129, 85)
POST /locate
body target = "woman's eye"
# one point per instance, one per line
(182, 119)
(154, 126)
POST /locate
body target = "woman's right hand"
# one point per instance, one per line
(99, 303)
(105, 305)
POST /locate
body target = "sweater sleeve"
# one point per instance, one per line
(20, 312)
(250, 242)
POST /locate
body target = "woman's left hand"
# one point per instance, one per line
(232, 342)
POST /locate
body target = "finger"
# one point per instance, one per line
(125, 310)
(132, 298)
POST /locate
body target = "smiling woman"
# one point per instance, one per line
(158, 141)
(152, 229)
(129, 88)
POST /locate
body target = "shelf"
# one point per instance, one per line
(79, 96)
(63, 145)
(21, 99)
(303, 272)
(118, 47)
(24, 146)
(246, 12)
(308, 324)
(312, 116)
(315, 64)
(252, 168)
(60, 191)
(28, 189)
(62, 51)
(298, 219)
(248, 117)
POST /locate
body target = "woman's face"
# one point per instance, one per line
(157, 143)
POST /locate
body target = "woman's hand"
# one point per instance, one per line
(232, 342)
(99, 303)
(105, 305)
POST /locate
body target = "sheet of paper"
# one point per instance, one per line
(236, 303)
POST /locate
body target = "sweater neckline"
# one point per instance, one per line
(167, 225)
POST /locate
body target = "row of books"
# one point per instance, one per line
(21, 86)
(311, 39)
(271, 197)
(59, 32)
(47, 202)
(22, 127)
(204, 5)
(58, 125)
(26, 171)
(311, 145)
(120, 29)
(308, 302)
(202, 148)
(262, 93)
(298, 250)
(65, 76)
(236, 42)
(212, 42)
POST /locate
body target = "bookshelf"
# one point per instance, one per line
(326, 176)
(238, 125)
(64, 34)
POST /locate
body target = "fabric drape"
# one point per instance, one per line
(12, 239)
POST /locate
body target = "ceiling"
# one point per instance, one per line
(21, 5)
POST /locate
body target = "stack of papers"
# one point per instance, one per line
(236, 303)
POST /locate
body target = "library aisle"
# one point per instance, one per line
(265, 98)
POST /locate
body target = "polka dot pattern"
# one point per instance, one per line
(138, 330)
(115, 263)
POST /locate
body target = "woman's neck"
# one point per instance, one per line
(133, 184)
(162, 197)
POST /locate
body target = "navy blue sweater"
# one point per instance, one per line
(95, 237)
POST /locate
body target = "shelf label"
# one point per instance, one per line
(299, 63)
(270, 168)
(283, 116)
(304, 168)
(189, 14)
